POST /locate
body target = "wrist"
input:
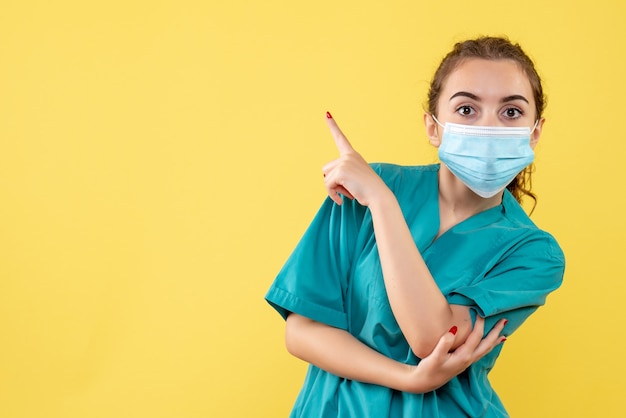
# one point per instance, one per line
(412, 380)
(383, 201)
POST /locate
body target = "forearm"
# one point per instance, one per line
(420, 308)
(340, 353)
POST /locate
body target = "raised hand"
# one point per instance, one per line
(350, 175)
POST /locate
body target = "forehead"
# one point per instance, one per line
(488, 78)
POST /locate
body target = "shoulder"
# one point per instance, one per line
(399, 177)
(391, 170)
(533, 240)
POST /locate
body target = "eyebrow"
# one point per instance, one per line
(474, 97)
(514, 97)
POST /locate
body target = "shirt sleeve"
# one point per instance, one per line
(313, 281)
(518, 284)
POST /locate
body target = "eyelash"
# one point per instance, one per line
(460, 108)
(519, 112)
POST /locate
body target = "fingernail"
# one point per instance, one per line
(328, 115)
(503, 339)
(506, 321)
(453, 330)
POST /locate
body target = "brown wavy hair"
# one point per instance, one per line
(493, 48)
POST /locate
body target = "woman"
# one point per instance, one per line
(388, 292)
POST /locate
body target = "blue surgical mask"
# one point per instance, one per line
(485, 158)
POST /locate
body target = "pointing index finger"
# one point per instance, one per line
(343, 145)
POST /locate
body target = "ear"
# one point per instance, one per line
(534, 137)
(432, 130)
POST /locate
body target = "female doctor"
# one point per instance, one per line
(390, 289)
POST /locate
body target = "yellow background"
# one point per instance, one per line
(160, 159)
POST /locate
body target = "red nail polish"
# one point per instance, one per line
(506, 321)
(503, 340)
(328, 115)
(453, 330)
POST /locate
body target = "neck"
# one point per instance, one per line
(457, 198)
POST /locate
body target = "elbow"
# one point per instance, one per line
(423, 343)
(425, 338)
(422, 348)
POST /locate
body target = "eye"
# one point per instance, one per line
(512, 113)
(465, 110)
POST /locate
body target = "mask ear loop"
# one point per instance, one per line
(432, 115)
(534, 127)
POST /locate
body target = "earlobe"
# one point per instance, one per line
(534, 137)
(432, 130)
